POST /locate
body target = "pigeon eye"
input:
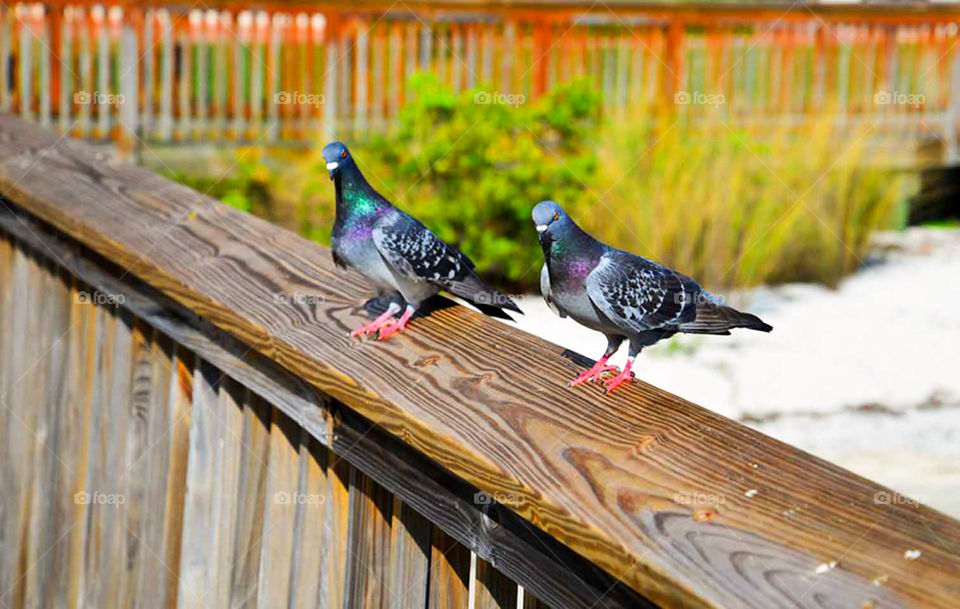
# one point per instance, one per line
(343, 154)
(556, 216)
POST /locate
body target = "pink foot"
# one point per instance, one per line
(377, 323)
(623, 377)
(395, 327)
(593, 374)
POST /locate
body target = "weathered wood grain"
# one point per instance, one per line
(280, 512)
(368, 543)
(162, 431)
(493, 590)
(226, 488)
(251, 503)
(309, 542)
(517, 548)
(51, 336)
(178, 425)
(600, 474)
(409, 557)
(198, 559)
(449, 572)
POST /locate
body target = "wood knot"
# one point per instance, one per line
(704, 514)
(429, 360)
(644, 445)
(483, 378)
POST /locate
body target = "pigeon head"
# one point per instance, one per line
(551, 221)
(337, 157)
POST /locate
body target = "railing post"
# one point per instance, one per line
(675, 51)
(331, 47)
(129, 101)
(952, 119)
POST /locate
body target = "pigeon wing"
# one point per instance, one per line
(548, 292)
(410, 248)
(639, 295)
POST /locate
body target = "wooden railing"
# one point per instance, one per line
(163, 71)
(187, 422)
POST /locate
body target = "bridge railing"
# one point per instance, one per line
(171, 72)
(187, 421)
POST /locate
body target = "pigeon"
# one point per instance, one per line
(396, 253)
(623, 296)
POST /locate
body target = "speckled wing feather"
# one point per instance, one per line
(639, 295)
(410, 248)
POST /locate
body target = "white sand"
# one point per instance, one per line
(887, 338)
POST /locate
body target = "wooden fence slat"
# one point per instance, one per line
(177, 427)
(251, 503)
(493, 590)
(165, 122)
(198, 555)
(368, 541)
(20, 353)
(409, 557)
(226, 485)
(335, 533)
(310, 543)
(46, 398)
(134, 473)
(113, 550)
(449, 572)
(157, 459)
(280, 512)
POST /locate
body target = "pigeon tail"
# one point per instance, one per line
(482, 296)
(718, 319)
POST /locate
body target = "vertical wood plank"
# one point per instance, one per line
(129, 85)
(197, 558)
(46, 378)
(310, 542)
(362, 48)
(5, 38)
(94, 535)
(239, 52)
(335, 531)
(369, 542)
(280, 511)
(154, 462)
(72, 449)
(103, 74)
(330, 60)
(113, 558)
(178, 426)
(165, 124)
(45, 64)
(135, 477)
(185, 83)
(25, 71)
(449, 572)
(493, 590)
(409, 557)
(251, 503)
(226, 485)
(18, 437)
(275, 96)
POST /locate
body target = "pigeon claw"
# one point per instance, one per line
(594, 373)
(376, 324)
(395, 327)
(620, 379)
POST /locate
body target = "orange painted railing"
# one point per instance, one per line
(164, 72)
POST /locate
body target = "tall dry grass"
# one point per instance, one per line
(739, 207)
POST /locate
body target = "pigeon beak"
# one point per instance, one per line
(332, 165)
(541, 228)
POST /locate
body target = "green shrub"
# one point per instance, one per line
(728, 205)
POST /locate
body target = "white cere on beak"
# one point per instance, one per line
(541, 228)
(333, 165)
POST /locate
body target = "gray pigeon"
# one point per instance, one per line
(622, 295)
(404, 261)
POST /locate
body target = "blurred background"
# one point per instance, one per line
(800, 159)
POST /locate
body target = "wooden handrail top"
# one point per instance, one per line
(686, 507)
